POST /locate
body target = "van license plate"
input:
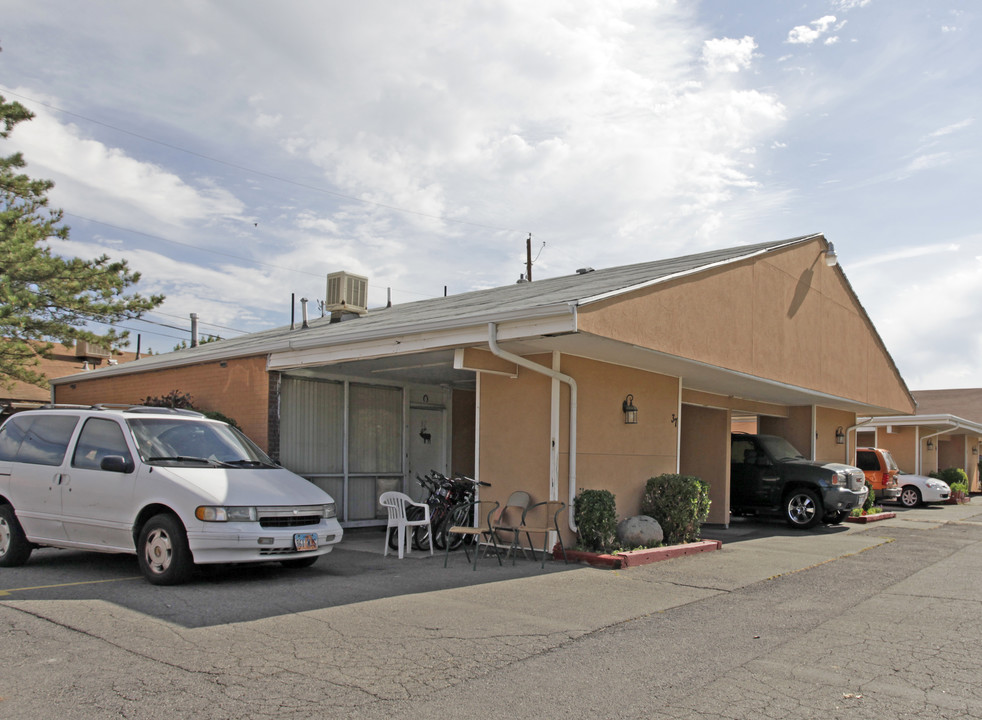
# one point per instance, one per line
(305, 541)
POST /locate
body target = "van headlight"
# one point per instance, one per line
(217, 513)
(330, 510)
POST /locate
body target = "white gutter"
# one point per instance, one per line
(555, 375)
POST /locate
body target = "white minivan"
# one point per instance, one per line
(171, 486)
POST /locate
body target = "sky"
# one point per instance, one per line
(235, 153)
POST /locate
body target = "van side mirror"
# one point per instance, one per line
(116, 463)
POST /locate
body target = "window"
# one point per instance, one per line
(741, 450)
(40, 440)
(99, 439)
(866, 460)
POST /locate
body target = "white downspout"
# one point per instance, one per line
(555, 375)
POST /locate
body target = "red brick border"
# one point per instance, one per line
(633, 558)
(863, 519)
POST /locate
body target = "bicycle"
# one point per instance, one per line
(459, 489)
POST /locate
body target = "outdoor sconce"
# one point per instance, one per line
(930, 444)
(975, 450)
(831, 259)
(630, 412)
(840, 436)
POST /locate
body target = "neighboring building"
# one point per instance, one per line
(524, 385)
(63, 361)
(945, 433)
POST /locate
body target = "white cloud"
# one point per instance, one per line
(103, 182)
(926, 162)
(728, 54)
(906, 253)
(807, 34)
(953, 128)
(846, 5)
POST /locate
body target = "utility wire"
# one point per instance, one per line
(261, 173)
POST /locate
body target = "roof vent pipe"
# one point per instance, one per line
(194, 329)
(303, 313)
(556, 375)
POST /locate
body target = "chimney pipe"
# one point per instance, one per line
(303, 311)
(194, 329)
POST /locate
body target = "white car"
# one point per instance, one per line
(919, 490)
(171, 486)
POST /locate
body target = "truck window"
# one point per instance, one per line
(866, 460)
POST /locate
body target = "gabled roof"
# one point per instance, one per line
(530, 300)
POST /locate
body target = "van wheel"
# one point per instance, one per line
(14, 548)
(802, 508)
(910, 496)
(163, 552)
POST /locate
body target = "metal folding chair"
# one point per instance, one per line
(544, 520)
(465, 520)
(509, 518)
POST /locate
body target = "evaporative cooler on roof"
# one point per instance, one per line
(347, 292)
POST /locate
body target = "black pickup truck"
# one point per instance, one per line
(768, 476)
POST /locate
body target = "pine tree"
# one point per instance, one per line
(45, 298)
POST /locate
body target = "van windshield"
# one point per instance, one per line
(166, 441)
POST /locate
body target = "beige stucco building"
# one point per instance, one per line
(523, 386)
(945, 432)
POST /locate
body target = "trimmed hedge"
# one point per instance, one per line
(595, 514)
(680, 504)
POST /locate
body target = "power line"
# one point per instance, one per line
(189, 245)
(260, 173)
(200, 322)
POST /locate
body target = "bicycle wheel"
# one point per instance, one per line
(421, 534)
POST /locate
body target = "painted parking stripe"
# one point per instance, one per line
(82, 582)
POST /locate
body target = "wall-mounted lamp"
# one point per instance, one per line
(930, 444)
(630, 412)
(831, 259)
(975, 450)
(840, 436)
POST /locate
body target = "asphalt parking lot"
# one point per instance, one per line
(82, 635)
(357, 571)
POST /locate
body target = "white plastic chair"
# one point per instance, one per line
(396, 503)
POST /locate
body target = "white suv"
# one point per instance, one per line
(171, 486)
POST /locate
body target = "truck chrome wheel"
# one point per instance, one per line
(802, 508)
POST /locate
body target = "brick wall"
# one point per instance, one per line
(238, 388)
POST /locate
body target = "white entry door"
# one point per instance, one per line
(427, 445)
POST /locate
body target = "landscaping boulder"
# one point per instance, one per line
(639, 531)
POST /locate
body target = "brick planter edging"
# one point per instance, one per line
(863, 519)
(633, 558)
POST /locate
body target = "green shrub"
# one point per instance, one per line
(184, 401)
(870, 497)
(952, 476)
(957, 487)
(595, 514)
(680, 504)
